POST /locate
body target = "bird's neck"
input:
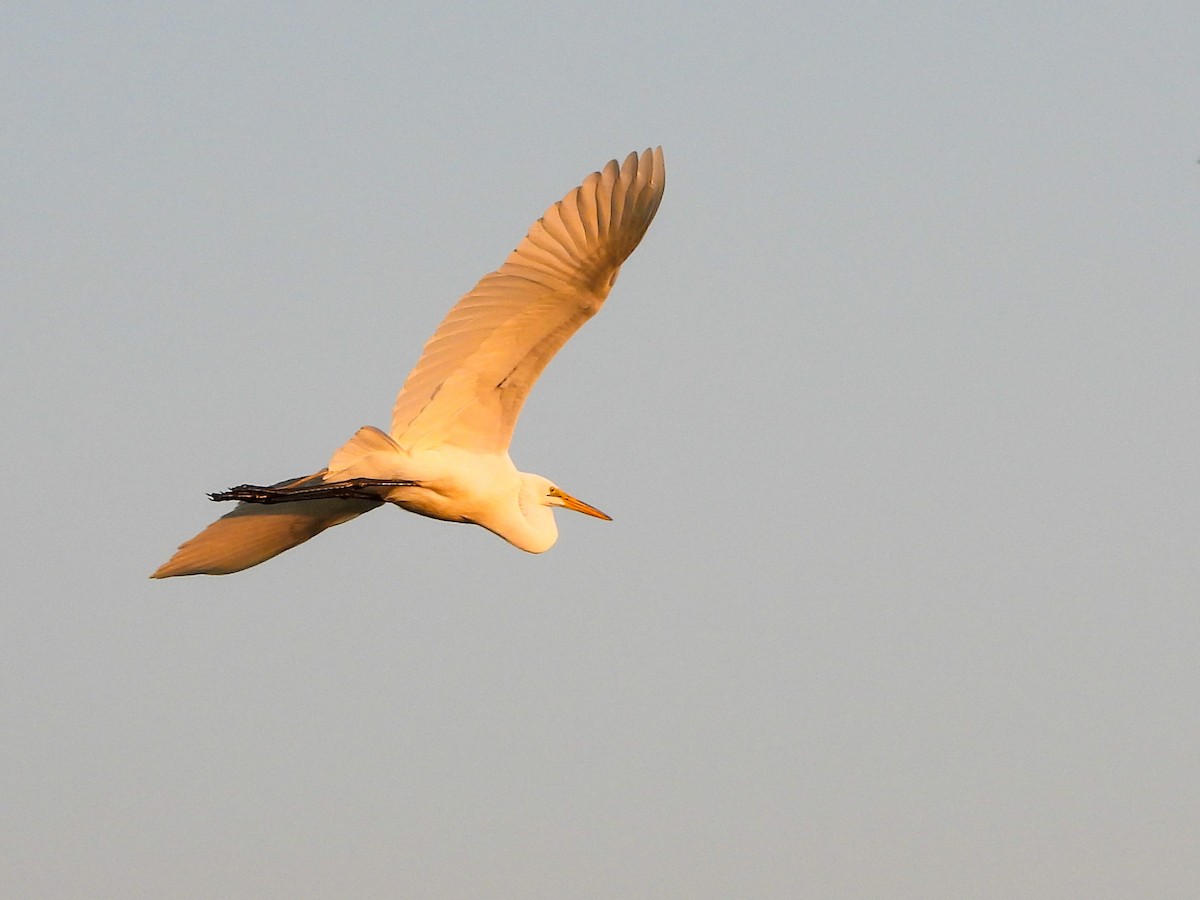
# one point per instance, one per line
(527, 523)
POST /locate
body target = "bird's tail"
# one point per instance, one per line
(254, 532)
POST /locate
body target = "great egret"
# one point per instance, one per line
(447, 454)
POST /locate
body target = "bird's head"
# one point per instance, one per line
(537, 499)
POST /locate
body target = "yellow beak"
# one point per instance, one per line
(579, 506)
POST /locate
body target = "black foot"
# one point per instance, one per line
(355, 489)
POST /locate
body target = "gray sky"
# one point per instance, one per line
(895, 410)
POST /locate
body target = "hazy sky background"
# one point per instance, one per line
(895, 408)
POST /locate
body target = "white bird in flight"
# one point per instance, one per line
(447, 454)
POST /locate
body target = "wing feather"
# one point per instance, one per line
(468, 387)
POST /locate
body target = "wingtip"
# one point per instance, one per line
(653, 157)
(169, 569)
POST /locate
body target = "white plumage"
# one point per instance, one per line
(447, 453)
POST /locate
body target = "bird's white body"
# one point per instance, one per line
(452, 484)
(447, 454)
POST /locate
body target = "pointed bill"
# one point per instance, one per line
(579, 506)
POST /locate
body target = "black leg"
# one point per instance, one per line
(354, 489)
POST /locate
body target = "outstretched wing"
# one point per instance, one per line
(255, 532)
(473, 376)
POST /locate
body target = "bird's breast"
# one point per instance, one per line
(457, 486)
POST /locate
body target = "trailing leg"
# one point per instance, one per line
(354, 489)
